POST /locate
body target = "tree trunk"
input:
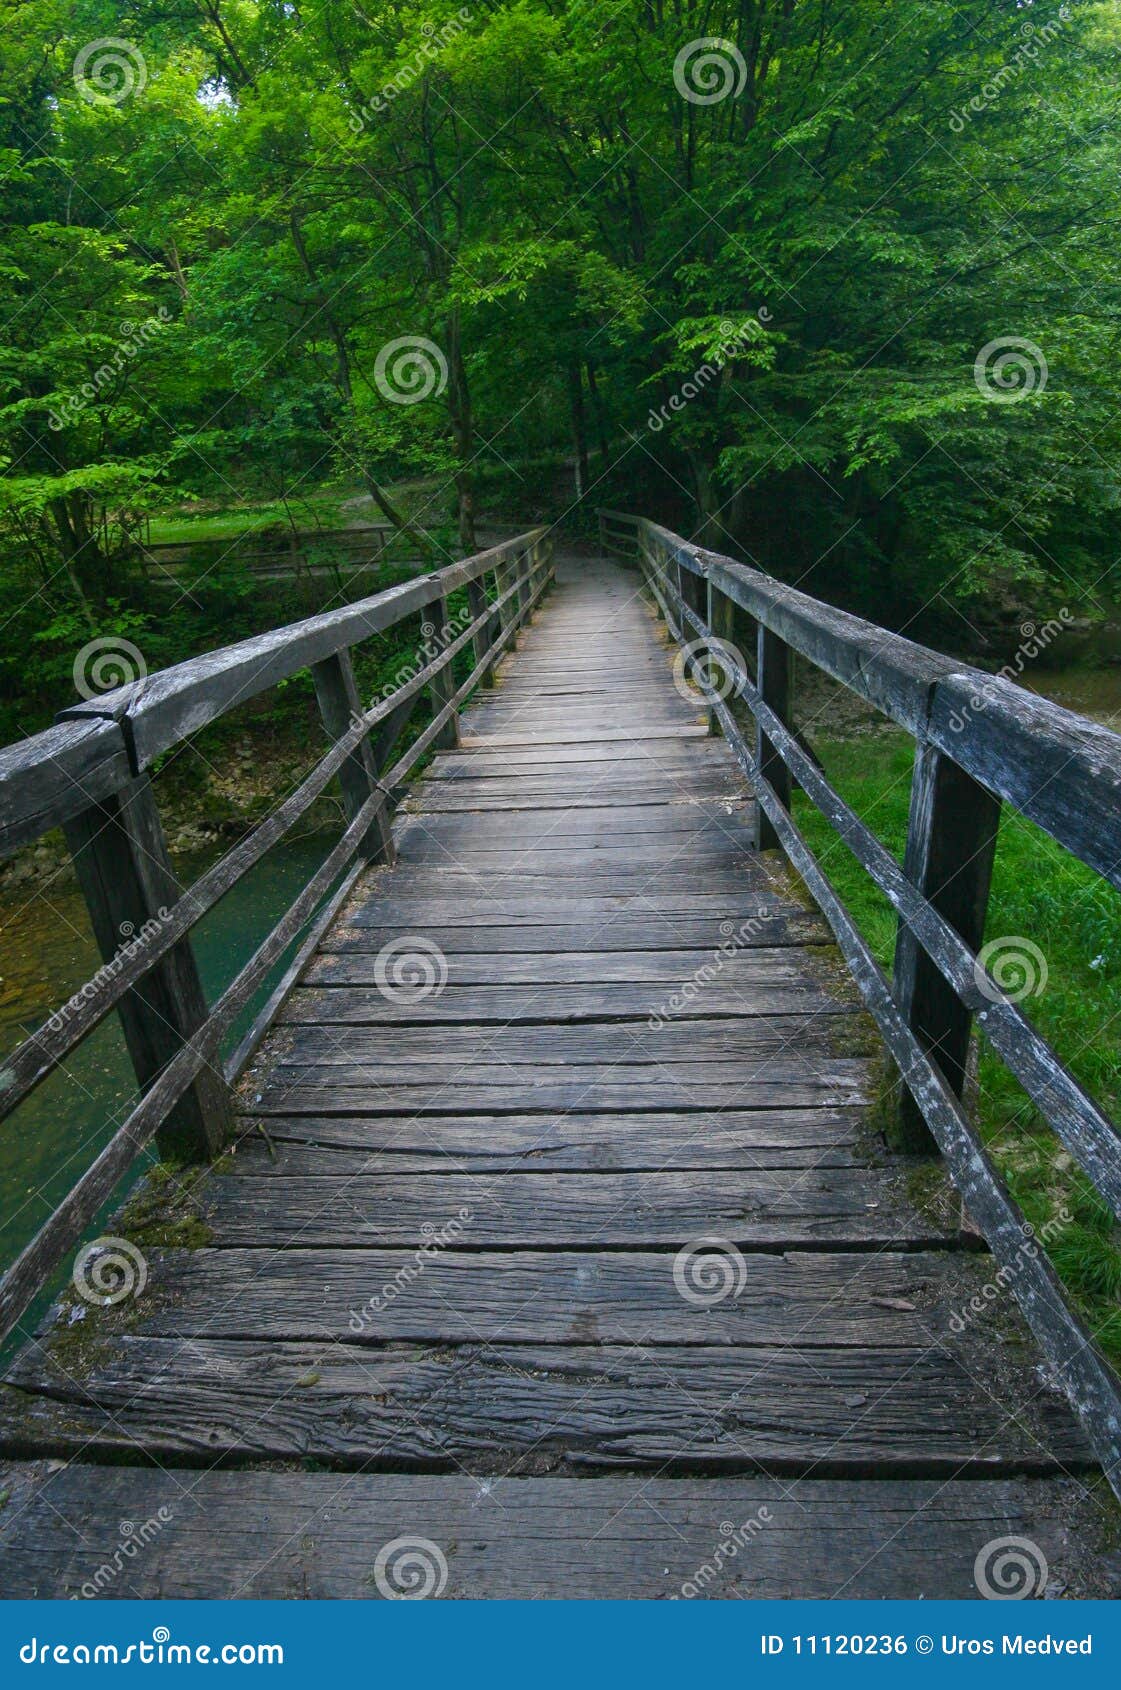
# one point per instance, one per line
(345, 387)
(76, 548)
(459, 408)
(710, 530)
(579, 427)
(597, 413)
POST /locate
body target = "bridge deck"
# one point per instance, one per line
(673, 1293)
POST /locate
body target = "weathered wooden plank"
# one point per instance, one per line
(578, 736)
(578, 1140)
(52, 776)
(672, 1045)
(121, 859)
(309, 1535)
(759, 1207)
(636, 753)
(837, 1084)
(463, 797)
(546, 1408)
(1057, 768)
(728, 884)
(634, 931)
(763, 970)
(570, 855)
(687, 818)
(951, 846)
(367, 1005)
(883, 1298)
(558, 911)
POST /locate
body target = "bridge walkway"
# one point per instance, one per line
(559, 1253)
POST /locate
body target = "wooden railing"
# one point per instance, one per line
(980, 741)
(352, 548)
(88, 774)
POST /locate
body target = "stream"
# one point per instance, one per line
(48, 952)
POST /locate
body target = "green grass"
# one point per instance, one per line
(318, 510)
(1042, 894)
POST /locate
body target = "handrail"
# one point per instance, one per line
(165, 707)
(87, 773)
(1059, 770)
(963, 769)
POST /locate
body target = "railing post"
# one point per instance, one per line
(123, 868)
(524, 588)
(503, 581)
(484, 638)
(339, 705)
(721, 618)
(773, 680)
(693, 589)
(951, 842)
(443, 682)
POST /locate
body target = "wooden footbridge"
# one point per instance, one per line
(542, 1237)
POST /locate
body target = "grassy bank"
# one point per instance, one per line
(1042, 894)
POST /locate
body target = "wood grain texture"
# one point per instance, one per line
(880, 1297)
(312, 1535)
(647, 1139)
(515, 1210)
(457, 1229)
(544, 1408)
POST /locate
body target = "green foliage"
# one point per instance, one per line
(741, 307)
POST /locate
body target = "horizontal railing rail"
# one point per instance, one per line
(88, 774)
(980, 741)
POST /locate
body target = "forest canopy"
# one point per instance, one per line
(832, 284)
